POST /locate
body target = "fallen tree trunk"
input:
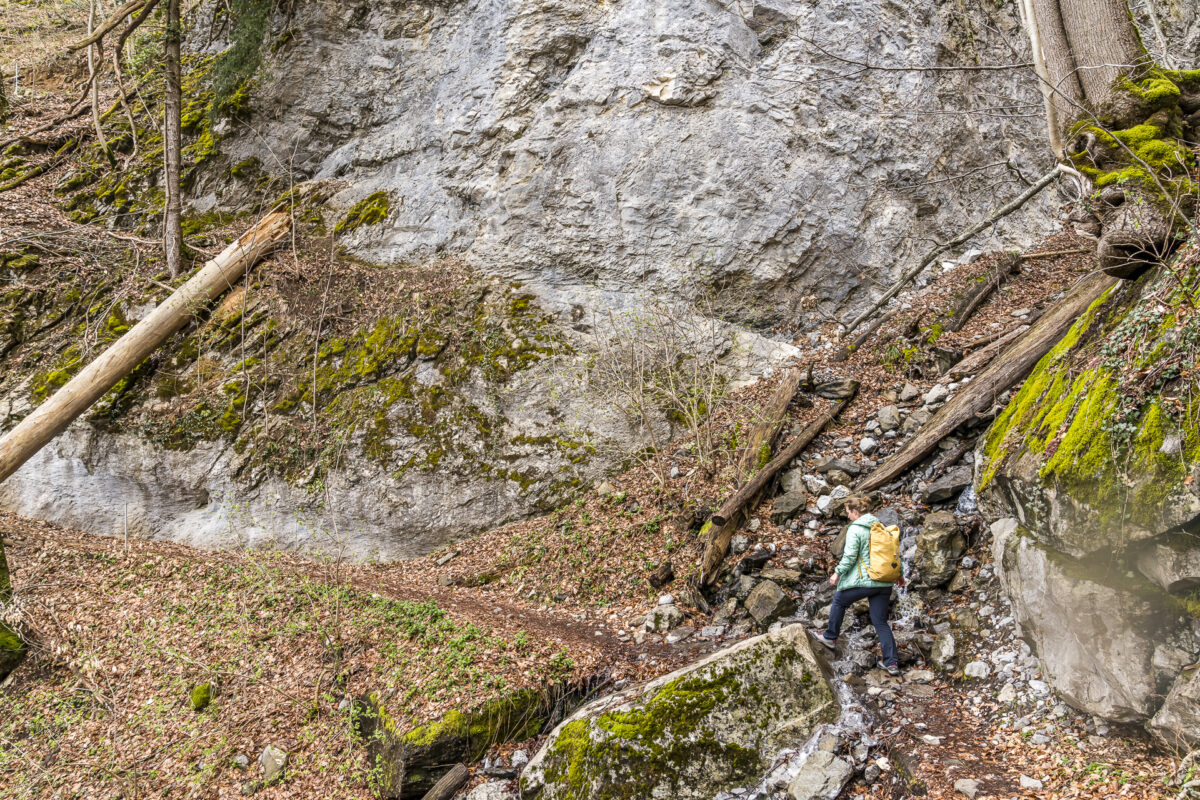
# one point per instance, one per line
(977, 296)
(1006, 371)
(449, 784)
(723, 523)
(961, 238)
(219, 274)
(859, 340)
(757, 451)
(981, 357)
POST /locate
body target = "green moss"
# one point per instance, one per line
(201, 696)
(371, 210)
(246, 168)
(47, 383)
(454, 725)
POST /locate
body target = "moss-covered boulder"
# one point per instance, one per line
(12, 650)
(710, 727)
(1095, 464)
(408, 762)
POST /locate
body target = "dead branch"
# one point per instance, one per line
(861, 339)
(764, 433)
(112, 22)
(979, 295)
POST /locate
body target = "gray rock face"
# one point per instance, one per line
(654, 143)
(1173, 562)
(711, 726)
(939, 546)
(1095, 639)
(821, 778)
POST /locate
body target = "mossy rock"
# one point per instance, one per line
(371, 210)
(695, 733)
(12, 650)
(201, 697)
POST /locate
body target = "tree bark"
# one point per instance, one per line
(1006, 371)
(56, 413)
(771, 418)
(449, 784)
(983, 356)
(1105, 45)
(725, 522)
(172, 146)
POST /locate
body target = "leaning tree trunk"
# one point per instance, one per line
(172, 224)
(1121, 121)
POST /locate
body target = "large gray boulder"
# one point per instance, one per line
(1095, 633)
(709, 727)
(940, 545)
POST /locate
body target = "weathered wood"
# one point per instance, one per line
(980, 293)
(852, 347)
(94, 380)
(1007, 370)
(981, 357)
(961, 238)
(725, 522)
(450, 783)
(762, 436)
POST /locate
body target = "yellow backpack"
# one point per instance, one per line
(884, 565)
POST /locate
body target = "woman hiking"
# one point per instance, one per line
(850, 578)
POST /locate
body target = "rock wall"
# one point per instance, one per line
(1093, 471)
(657, 144)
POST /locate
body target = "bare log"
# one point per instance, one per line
(982, 357)
(723, 523)
(758, 443)
(219, 274)
(850, 349)
(1006, 371)
(449, 784)
(961, 238)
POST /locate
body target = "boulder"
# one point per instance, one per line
(788, 505)
(1177, 723)
(1094, 631)
(947, 487)
(1172, 561)
(939, 546)
(821, 778)
(709, 727)
(663, 618)
(936, 395)
(767, 603)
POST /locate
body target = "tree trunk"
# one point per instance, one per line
(1005, 372)
(449, 784)
(757, 450)
(52, 416)
(1100, 85)
(172, 223)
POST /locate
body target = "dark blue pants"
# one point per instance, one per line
(879, 598)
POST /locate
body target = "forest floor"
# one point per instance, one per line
(123, 632)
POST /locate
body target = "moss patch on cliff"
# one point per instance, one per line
(371, 210)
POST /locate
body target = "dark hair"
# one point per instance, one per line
(859, 502)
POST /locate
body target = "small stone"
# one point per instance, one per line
(680, 634)
(937, 394)
(447, 558)
(273, 762)
(868, 445)
(931, 740)
(1008, 694)
(909, 393)
(977, 669)
(969, 563)
(967, 787)
(821, 778)
(754, 525)
(837, 478)
(739, 543)
(1022, 312)
(519, 759)
(920, 676)
(1039, 687)
(1039, 739)
(1031, 783)
(241, 761)
(604, 489)
(889, 418)
(872, 426)
(666, 600)
(815, 484)
(663, 619)
(871, 774)
(914, 421)
(784, 577)
(712, 631)
(675, 471)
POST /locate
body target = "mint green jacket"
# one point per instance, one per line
(852, 569)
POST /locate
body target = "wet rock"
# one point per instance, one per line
(663, 619)
(273, 761)
(768, 603)
(718, 724)
(948, 486)
(821, 778)
(889, 418)
(755, 560)
(939, 546)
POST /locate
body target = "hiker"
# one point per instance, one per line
(853, 584)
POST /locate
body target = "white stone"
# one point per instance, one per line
(977, 669)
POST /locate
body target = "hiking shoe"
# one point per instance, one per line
(825, 640)
(892, 669)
